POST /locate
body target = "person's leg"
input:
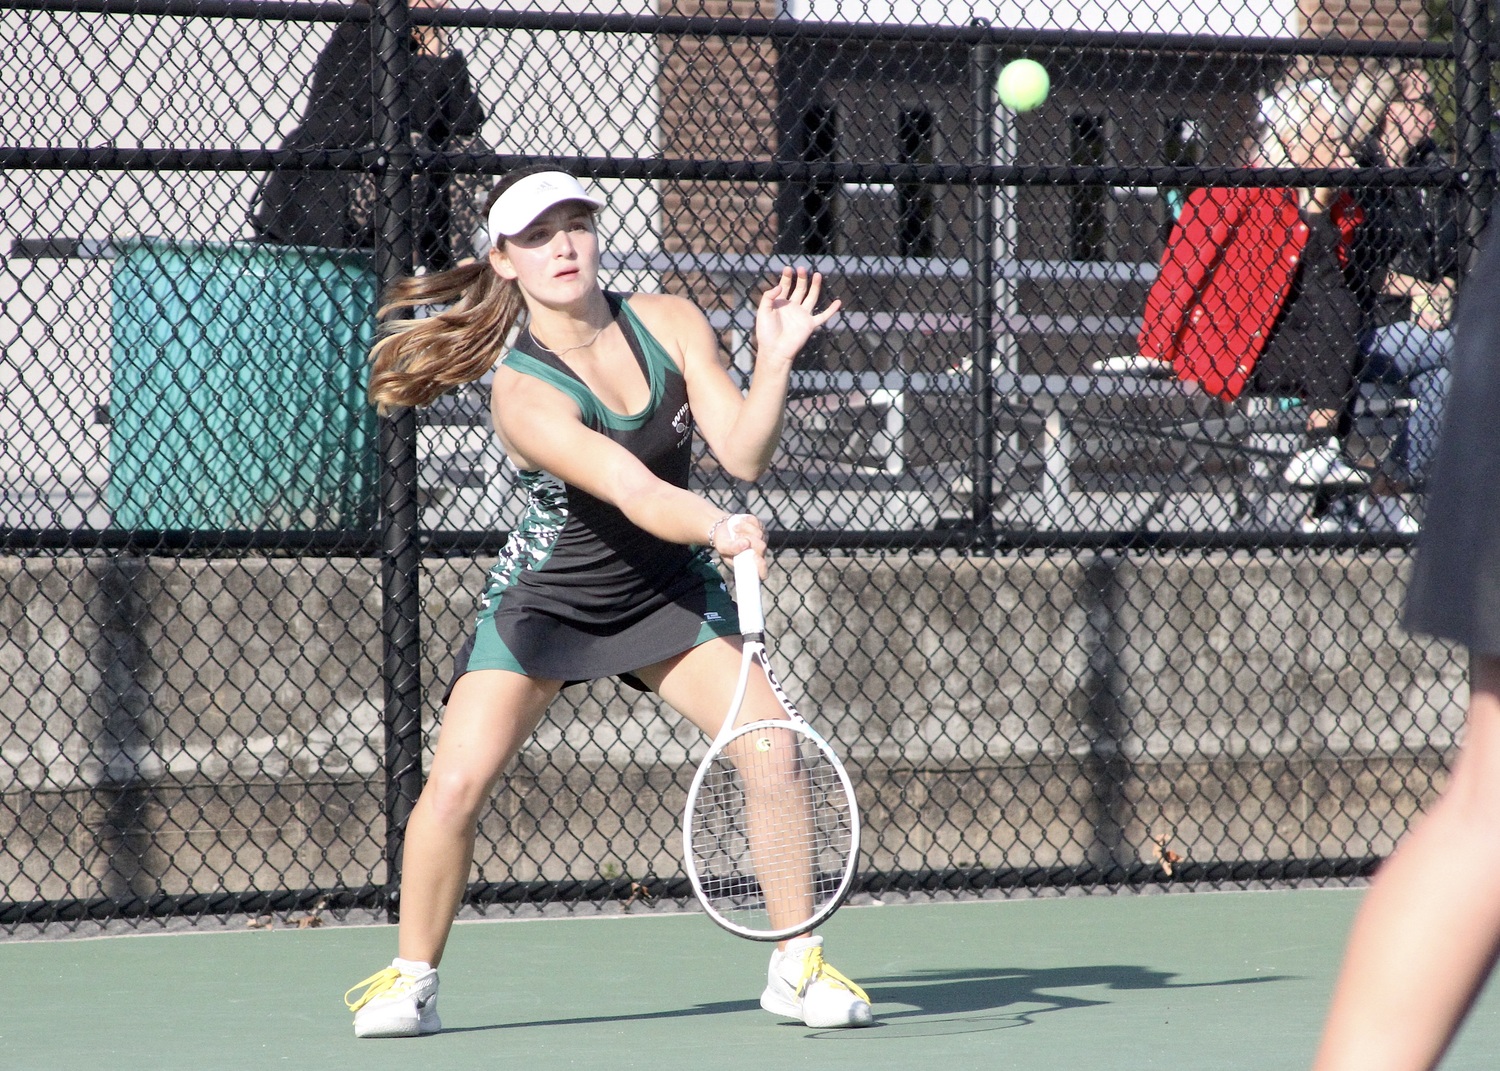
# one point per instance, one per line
(699, 684)
(1429, 390)
(1399, 351)
(1321, 467)
(1328, 390)
(1322, 424)
(1319, 377)
(1428, 931)
(488, 717)
(1416, 359)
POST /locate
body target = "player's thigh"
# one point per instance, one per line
(489, 716)
(699, 685)
(1476, 775)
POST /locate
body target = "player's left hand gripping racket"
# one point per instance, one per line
(771, 834)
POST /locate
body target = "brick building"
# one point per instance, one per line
(881, 102)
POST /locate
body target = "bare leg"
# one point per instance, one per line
(1428, 932)
(699, 684)
(489, 717)
(778, 816)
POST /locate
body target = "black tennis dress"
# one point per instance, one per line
(1455, 582)
(580, 592)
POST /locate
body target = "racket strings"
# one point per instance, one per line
(773, 832)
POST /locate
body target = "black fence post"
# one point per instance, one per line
(1471, 133)
(982, 295)
(400, 562)
(1102, 716)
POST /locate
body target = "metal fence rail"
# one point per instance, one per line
(1067, 620)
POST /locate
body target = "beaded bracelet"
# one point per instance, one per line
(713, 529)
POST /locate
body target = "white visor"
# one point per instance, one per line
(530, 197)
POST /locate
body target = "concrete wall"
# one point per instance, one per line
(207, 725)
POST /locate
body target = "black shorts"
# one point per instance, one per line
(1455, 582)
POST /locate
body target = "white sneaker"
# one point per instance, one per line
(799, 985)
(1323, 466)
(398, 1002)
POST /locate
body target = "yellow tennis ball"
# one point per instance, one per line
(1023, 85)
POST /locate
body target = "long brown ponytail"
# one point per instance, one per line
(416, 360)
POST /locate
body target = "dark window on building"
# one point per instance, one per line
(1087, 218)
(914, 202)
(820, 137)
(1182, 146)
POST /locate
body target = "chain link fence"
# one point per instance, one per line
(1060, 608)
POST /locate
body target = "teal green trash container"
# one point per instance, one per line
(238, 393)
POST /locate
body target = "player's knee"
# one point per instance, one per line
(768, 761)
(454, 797)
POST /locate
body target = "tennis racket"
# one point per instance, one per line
(771, 833)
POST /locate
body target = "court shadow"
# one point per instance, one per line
(1003, 998)
(944, 1001)
(722, 1007)
(949, 992)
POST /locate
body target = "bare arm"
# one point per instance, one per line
(541, 428)
(742, 430)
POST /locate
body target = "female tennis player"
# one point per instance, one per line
(610, 571)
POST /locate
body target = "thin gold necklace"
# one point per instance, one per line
(581, 346)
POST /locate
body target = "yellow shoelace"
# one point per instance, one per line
(813, 967)
(373, 986)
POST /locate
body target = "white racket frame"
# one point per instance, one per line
(752, 630)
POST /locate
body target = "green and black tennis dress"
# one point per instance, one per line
(580, 592)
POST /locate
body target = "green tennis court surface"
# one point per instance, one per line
(1210, 981)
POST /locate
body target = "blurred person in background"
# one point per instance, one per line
(335, 209)
(1403, 260)
(1252, 296)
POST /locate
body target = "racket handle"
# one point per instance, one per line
(747, 593)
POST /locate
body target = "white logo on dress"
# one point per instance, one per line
(682, 424)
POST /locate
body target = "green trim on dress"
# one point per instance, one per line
(595, 414)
